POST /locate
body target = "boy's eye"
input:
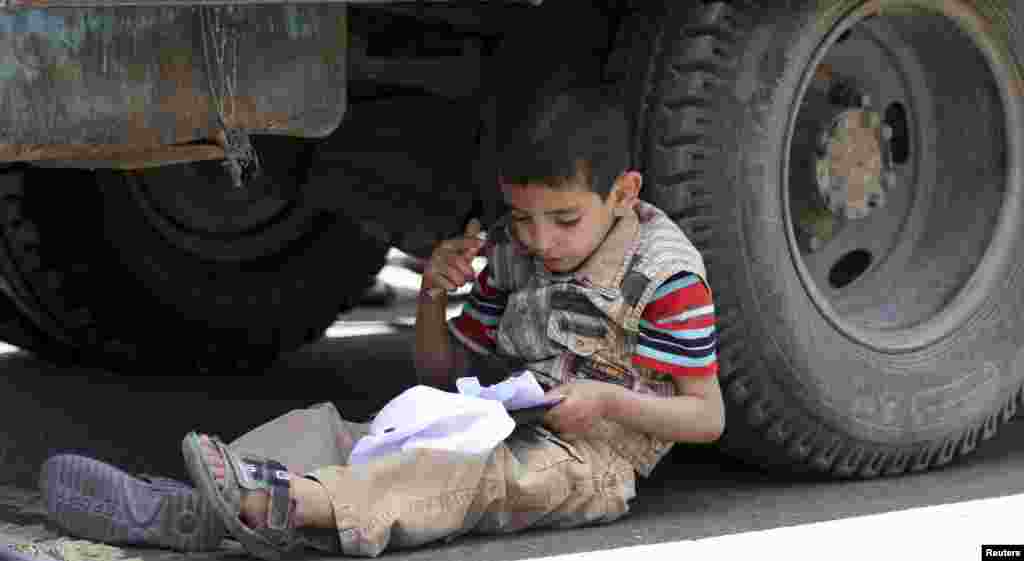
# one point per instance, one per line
(566, 223)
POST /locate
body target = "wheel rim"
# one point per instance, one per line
(196, 208)
(911, 271)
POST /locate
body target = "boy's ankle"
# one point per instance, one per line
(254, 508)
(312, 504)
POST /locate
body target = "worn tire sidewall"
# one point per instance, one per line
(249, 311)
(802, 358)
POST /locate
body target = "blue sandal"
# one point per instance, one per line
(94, 500)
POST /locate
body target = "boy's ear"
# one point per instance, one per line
(627, 190)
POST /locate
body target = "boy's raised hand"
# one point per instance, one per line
(450, 265)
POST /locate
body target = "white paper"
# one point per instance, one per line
(426, 417)
(517, 392)
(472, 421)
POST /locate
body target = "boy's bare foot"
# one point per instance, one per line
(254, 507)
(312, 503)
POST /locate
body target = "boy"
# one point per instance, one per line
(599, 294)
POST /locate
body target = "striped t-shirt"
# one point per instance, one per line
(677, 327)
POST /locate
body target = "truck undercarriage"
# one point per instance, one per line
(229, 177)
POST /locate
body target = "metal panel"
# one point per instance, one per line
(96, 3)
(139, 76)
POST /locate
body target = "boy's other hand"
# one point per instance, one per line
(451, 264)
(586, 401)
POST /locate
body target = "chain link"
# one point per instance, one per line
(220, 50)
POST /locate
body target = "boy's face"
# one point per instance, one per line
(564, 226)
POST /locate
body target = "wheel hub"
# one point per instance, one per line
(854, 168)
(852, 160)
(893, 219)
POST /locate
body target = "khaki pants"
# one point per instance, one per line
(533, 479)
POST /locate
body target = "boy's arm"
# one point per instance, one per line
(677, 337)
(697, 414)
(465, 345)
(438, 361)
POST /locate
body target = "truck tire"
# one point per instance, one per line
(26, 284)
(121, 283)
(854, 341)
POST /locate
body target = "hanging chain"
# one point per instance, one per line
(220, 47)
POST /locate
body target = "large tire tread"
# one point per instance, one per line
(677, 115)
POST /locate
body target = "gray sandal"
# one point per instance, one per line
(247, 473)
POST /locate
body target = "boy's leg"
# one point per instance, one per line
(554, 483)
(304, 439)
(123, 508)
(533, 479)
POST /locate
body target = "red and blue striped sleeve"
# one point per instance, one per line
(677, 329)
(477, 325)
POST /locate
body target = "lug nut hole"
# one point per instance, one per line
(896, 117)
(849, 268)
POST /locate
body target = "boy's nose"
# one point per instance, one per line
(543, 241)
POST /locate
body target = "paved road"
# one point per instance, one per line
(138, 423)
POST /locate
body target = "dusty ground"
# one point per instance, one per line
(71, 418)
(138, 424)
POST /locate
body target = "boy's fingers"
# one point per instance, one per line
(456, 270)
(472, 244)
(463, 246)
(473, 228)
(458, 261)
(554, 393)
(473, 247)
(459, 273)
(467, 269)
(445, 280)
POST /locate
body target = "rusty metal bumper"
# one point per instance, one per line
(120, 87)
(108, 3)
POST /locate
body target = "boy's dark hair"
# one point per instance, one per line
(577, 132)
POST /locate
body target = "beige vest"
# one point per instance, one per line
(585, 324)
